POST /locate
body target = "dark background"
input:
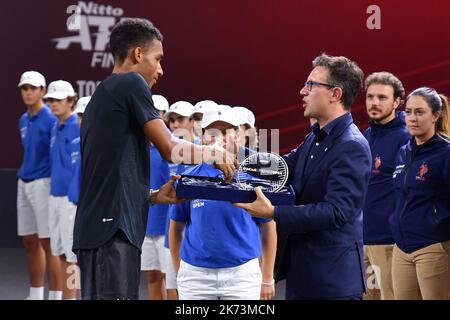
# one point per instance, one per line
(255, 53)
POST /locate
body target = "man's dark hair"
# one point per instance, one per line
(388, 79)
(342, 73)
(132, 33)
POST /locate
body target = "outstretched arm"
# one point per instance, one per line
(181, 151)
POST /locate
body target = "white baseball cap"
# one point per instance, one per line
(225, 106)
(160, 102)
(81, 104)
(245, 116)
(183, 108)
(203, 106)
(59, 90)
(220, 113)
(33, 78)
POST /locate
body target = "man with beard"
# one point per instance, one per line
(386, 135)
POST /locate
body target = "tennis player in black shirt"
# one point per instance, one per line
(118, 122)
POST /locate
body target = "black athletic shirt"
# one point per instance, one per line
(115, 162)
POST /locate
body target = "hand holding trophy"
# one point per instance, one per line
(262, 172)
(266, 170)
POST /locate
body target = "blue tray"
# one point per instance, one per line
(217, 189)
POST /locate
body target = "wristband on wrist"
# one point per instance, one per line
(268, 284)
(150, 197)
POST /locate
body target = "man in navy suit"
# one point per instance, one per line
(329, 171)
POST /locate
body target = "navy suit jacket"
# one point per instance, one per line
(323, 255)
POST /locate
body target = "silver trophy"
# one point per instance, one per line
(266, 170)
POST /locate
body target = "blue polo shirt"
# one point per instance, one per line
(175, 169)
(217, 234)
(74, 186)
(159, 175)
(178, 168)
(60, 155)
(35, 132)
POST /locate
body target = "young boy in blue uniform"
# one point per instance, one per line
(248, 134)
(197, 114)
(61, 98)
(33, 186)
(219, 255)
(74, 185)
(181, 124)
(154, 255)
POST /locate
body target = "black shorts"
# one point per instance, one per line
(110, 272)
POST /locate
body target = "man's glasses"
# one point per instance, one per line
(309, 85)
